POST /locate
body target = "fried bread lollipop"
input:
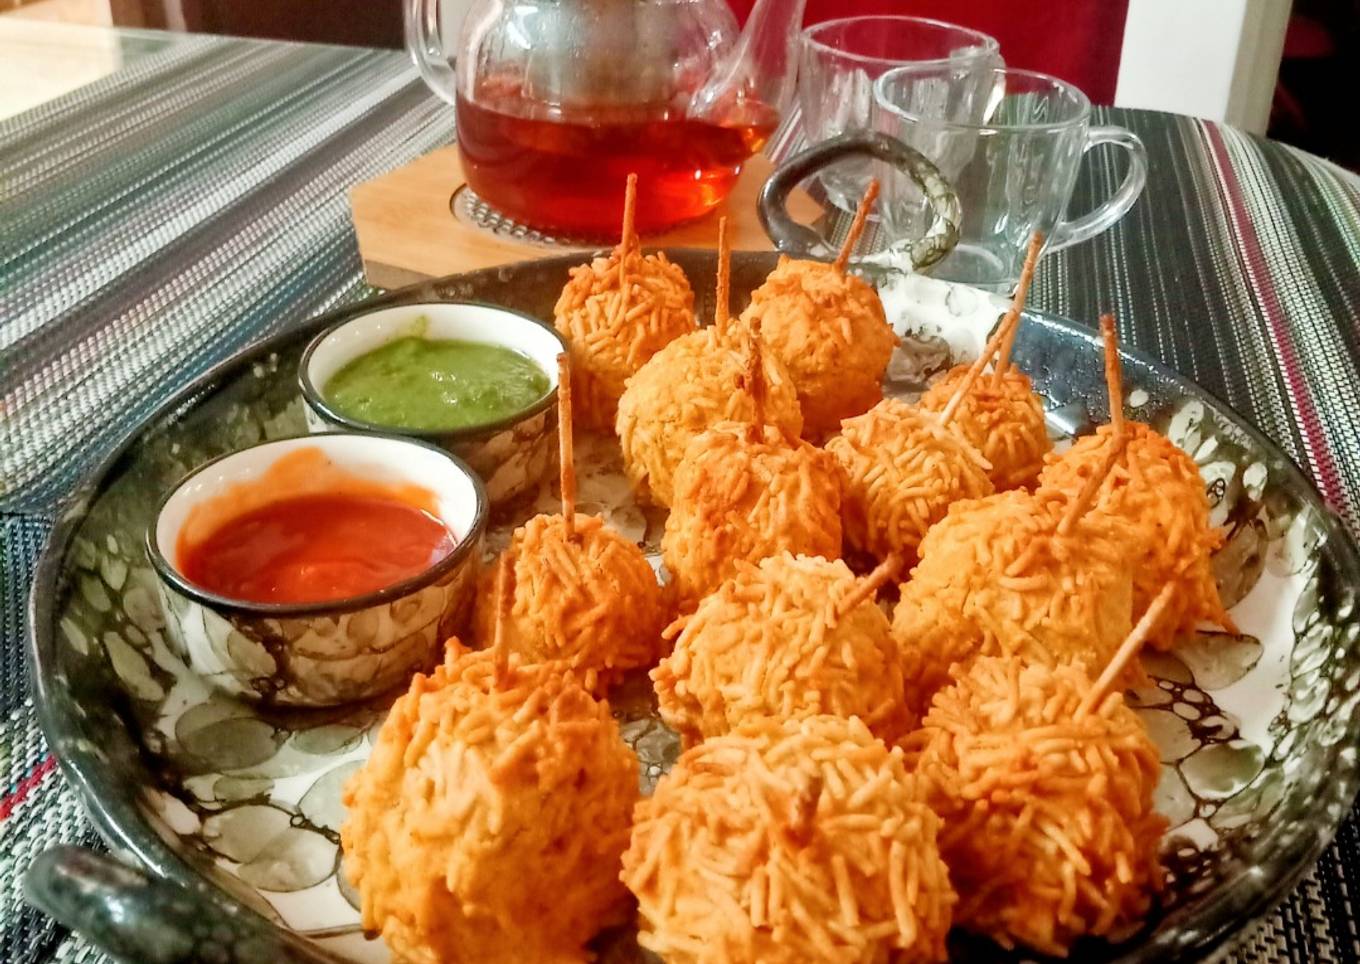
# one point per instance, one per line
(1045, 786)
(905, 464)
(903, 469)
(582, 593)
(617, 312)
(792, 637)
(1001, 416)
(1037, 577)
(996, 578)
(689, 386)
(828, 328)
(1157, 489)
(464, 834)
(745, 492)
(789, 841)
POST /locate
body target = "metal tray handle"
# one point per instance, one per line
(140, 919)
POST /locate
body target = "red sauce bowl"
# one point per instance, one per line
(332, 649)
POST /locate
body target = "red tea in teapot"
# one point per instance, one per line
(567, 174)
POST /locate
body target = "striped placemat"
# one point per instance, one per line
(155, 221)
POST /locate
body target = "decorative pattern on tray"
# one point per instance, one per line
(251, 796)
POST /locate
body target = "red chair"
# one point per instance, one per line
(1077, 40)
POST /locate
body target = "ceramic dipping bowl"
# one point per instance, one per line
(512, 455)
(337, 651)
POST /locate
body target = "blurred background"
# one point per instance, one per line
(1268, 66)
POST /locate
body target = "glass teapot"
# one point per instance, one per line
(557, 101)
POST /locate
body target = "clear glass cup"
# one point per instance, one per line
(1013, 171)
(841, 59)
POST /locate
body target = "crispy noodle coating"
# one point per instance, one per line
(689, 386)
(1005, 423)
(802, 840)
(995, 579)
(903, 470)
(743, 498)
(592, 602)
(1157, 489)
(829, 330)
(1049, 831)
(765, 644)
(612, 337)
(465, 834)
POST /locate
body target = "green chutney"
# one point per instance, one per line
(434, 384)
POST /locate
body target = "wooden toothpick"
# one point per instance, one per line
(565, 456)
(868, 587)
(499, 649)
(971, 376)
(857, 226)
(1017, 306)
(803, 812)
(1128, 649)
(628, 236)
(754, 380)
(722, 304)
(1114, 373)
(626, 242)
(1119, 437)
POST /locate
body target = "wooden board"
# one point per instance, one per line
(408, 233)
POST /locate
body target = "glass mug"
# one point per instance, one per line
(839, 62)
(1014, 170)
(977, 189)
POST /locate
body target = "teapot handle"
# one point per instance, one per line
(425, 44)
(799, 240)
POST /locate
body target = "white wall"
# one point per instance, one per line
(1209, 58)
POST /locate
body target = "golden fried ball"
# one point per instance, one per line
(743, 493)
(794, 841)
(688, 387)
(591, 601)
(903, 470)
(1049, 831)
(766, 644)
(1158, 490)
(611, 337)
(1004, 422)
(829, 330)
(465, 834)
(996, 579)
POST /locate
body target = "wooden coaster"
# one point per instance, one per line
(408, 230)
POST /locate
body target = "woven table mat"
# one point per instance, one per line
(157, 220)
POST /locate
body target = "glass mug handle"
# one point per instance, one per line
(425, 44)
(1087, 226)
(799, 240)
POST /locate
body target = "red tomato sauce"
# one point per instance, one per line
(316, 548)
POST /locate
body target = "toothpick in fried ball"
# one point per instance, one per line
(464, 832)
(1001, 416)
(1047, 804)
(747, 491)
(828, 329)
(792, 637)
(789, 841)
(618, 311)
(1157, 489)
(581, 592)
(689, 386)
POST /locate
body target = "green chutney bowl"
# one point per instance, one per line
(512, 455)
